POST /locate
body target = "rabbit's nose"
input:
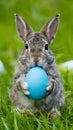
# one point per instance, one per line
(36, 57)
(36, 61)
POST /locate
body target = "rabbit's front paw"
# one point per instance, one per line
(24, 87)
(50, 86)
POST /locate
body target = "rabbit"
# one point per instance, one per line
(37, 52)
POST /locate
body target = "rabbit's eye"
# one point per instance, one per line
(26, 46)
(46, 47)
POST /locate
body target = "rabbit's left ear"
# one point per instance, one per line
(49, 30)
(23, 27)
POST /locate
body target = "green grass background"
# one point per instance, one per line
(37, 13)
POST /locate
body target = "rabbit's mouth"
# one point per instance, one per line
(39, 60)
(35, 58)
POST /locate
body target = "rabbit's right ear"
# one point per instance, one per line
(50, 29)
(23, 28)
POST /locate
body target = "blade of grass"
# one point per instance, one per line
(45, 122)
(15, 123)
(4, 123)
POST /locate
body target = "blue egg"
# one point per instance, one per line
(37, 80)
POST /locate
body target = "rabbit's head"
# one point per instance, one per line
(37, 44)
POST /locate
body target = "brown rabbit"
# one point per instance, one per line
(37, 52)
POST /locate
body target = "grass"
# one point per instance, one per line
(10, 47)
(11, 119)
